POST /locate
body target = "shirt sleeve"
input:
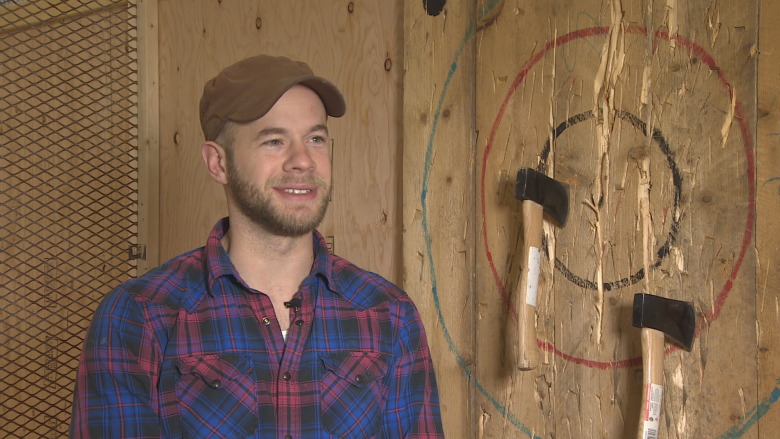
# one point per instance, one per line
(412, 409)
(115, 394)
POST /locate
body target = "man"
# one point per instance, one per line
(262, 332)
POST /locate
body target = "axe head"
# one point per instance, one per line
(672, 317)
(544, 191)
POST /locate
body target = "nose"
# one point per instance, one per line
(299, 158)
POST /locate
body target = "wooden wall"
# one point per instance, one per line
(766, 415)
(439, 199)
(428, 155)
(446, 100)
(688, 213)
(354, 44)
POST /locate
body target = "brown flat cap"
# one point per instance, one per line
(249, 88)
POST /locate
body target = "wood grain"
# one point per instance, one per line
(652, 375)
(570, 97)
(148, 134)
(438, 214)
(356, 45)
(768, 223)
(484, 86)
(515, 403)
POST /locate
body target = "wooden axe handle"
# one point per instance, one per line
(652, 383)
(526, 356)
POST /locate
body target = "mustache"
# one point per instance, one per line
(310, 180)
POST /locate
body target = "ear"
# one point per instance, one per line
(216, 161)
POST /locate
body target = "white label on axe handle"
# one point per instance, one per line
(532, 283)
(653, 398)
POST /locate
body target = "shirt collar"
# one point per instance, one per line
(323, 262)
(218, 264)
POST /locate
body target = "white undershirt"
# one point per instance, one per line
(284, 335)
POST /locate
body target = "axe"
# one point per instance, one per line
(658, 316)
(539, 193)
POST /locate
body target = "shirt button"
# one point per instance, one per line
(299, 322)
(288, 437)
(359, 379)
(266, 321)
(286, 376)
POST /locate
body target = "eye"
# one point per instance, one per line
(273, 142)
(318, 139)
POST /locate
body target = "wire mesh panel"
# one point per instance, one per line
(68, 193)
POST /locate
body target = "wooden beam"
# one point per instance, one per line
(148, 135)
(767, 412)
(438, 192)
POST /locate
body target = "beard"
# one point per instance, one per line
(259, 207)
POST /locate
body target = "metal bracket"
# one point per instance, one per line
(137, 252)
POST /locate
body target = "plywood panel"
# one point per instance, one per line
(562, 86)
(685, 209)
(766, 414)
(513, 404)
(438, 214)
(356, 45)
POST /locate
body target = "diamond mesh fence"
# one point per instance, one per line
(68, 193)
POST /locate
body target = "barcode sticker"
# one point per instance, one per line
(532, 284)
(653, 398)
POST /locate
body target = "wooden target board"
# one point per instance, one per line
(650, 128)
(647, 112)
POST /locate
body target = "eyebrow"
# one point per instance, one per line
(320, 127)
(279, 131)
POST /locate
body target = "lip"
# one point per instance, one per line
(305, 192)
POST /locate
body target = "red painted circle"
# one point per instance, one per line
(694, 49)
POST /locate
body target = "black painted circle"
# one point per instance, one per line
(676, 179)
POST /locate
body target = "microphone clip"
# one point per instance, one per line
(294, 303)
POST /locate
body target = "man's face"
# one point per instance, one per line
(278, 168)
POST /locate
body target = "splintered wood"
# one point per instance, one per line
(651, 185)
(646, 110)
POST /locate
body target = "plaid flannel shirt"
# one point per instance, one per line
(190, 351)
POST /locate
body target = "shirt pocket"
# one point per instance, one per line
(353, 393)
(217, 396)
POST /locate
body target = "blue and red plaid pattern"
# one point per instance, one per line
(190, 351)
